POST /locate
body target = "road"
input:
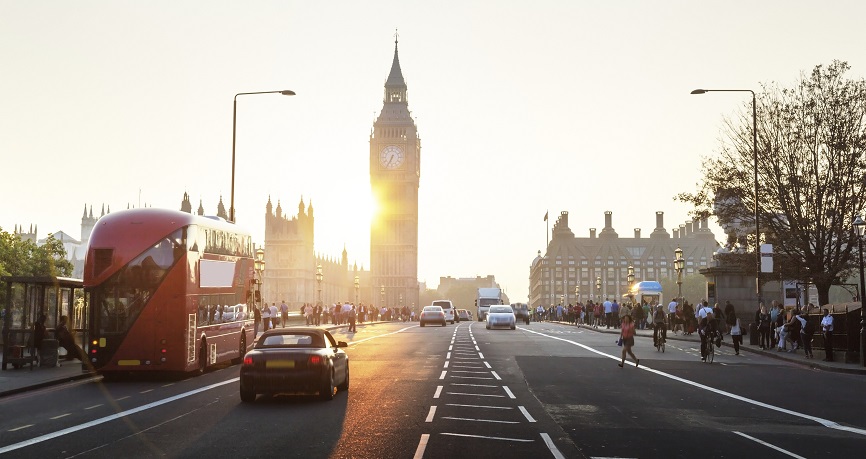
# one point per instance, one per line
(543, 390)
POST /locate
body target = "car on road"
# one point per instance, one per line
(501, 316)
(448, 309)
(521, 312)
(432, 314)
(464, 314)
(295, 360)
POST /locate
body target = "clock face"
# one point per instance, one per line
(391, 157)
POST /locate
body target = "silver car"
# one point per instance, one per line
(501, 316)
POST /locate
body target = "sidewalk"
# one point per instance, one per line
(14, 381)
(798, 357)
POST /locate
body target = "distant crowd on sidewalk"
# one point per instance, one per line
(274, 316)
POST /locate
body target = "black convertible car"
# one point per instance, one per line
(295, 360)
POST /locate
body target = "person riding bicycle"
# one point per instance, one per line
(659, 327)
(706, 326)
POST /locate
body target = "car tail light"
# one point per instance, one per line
(315, 360)
(248, 360)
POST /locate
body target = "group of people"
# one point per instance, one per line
(64, 338)
(782, 329)
(274, 316)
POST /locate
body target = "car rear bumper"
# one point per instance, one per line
(282, 381)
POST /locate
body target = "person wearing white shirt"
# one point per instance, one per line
(608, 312)
(275, 316)
(705, 326)
(672, 311)
(266, 317)
(827, 329)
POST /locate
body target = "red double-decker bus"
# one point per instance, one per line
(169, 292)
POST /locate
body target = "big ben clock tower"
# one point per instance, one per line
(395, 171)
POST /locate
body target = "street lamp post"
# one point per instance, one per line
(382, 292)
(630, 278)
(860, 228)
(598, 287)
(259, 266)
(755, 171)
(284, 92)
(319, 278)
(357, 288)
(679, 265)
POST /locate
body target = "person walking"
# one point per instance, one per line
(827, 329)
(736, 332)
(266, 317)
(353, 320)
(257, 318)
(626, 334)
(730, 316)
(284, 314)
(275, 316)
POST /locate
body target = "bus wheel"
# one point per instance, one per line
(242, 349)
(202, 357)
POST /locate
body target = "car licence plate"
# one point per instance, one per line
(280, 364)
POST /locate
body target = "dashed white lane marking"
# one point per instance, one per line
(824, 422)
(422, 445)
(20, 428)
(446, 364)
(768, 445)
(472, 372)
(480, 420)
(451, 348)
(92, 407)
(60, 416)
(477, 348)
(431, 414)
(496, 375)
(481, 406)
(438, 392)
(487, 365)
(442, 376)
(468, 377)
(508, 391)
(553, 449)
(448, 356)
(480, 355)
(526, 414)
(121, 398)
(522, 440)
(145, 391)
(169, 384)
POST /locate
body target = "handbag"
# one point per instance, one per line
(619, 341)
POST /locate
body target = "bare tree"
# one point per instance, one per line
(811, 171)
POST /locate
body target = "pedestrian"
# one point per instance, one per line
(257, 317)
(736, 333)
(807, 334)
(352, 320)
(827, 329)
(275, 315)
(67, 341)
(284, 314)
(38, 336)
(763, 319)
(266, 317)
(608, 312)
(730, 316)
(626, 334)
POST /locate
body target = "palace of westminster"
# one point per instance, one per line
(291, 263)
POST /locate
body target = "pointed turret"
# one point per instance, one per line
(301, 207)
(185, 205)
(269, 208)
(221, 210)
(200, 207)
(279, 209)
(395, 85)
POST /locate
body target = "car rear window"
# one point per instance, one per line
(496, 309)
(443, 304)
(292, 340)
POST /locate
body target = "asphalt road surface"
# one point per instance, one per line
(543, 390)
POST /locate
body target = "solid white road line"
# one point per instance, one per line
(480, 420)
(380, 336)
(482, 406)
(422, 445)
(431, 414)
(824, 422)
(471, 372)
(508, 391)
(473, 385)
(475, 395)
(784, 451)
(489, 438)
(438, 392)
(526, 414)
(469, 377)
(553, 449)
(112, 417)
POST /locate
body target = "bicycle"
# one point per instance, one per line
(661, 338)
(714, 340)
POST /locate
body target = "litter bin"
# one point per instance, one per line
(48, 353)
(754, 338)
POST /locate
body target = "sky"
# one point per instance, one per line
(522, 108)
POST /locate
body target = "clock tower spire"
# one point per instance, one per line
(395, 171)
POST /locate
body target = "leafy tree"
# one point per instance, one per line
(811, 170)
(24, 258)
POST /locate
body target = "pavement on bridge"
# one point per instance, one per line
(13, 381)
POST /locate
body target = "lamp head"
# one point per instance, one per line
(859, 226)
(287, 92)
(699, 91)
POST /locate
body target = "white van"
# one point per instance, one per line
(450, 312)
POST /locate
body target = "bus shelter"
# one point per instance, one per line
(24, 298)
